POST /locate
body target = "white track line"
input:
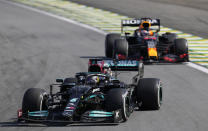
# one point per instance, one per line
(198, 67)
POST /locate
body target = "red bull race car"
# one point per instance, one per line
(145, 43)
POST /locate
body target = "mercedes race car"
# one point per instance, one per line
(145, 43)
(94, 96)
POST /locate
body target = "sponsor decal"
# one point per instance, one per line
(71, 104)
(95, 90)
(117, 114)
(122, 63)
(133, 22)
(70, 108)
(151, 44)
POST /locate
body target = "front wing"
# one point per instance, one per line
(90, 117)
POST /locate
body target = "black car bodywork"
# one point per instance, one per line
(80, 100)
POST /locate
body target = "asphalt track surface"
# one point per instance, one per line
(189, 16)
(35, 49)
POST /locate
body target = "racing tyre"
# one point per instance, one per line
(117, 99)
(141, 70)
(170, 37)
(34, 100)
(121, 47)
(149, 94)
(109, 42)
(181, 47)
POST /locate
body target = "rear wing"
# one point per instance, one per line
(116, 65)
(137, 23)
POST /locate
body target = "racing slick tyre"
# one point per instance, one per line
(121, 47)
(170, 37)
(117, 99)
(109, 42)
(181, 47)
(149, 94)
(34, 100)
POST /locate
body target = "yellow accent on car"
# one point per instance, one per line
(152, 52)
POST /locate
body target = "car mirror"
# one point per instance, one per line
(127, 33)
(59, 80)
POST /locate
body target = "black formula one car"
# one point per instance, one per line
(94, 96)
(145, 43)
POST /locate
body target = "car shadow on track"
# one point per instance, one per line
(24, 124)
(166, 63)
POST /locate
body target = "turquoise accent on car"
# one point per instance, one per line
(122, 63)
(93, 96)
(89, 97)
(99, 115)
(38, 113)
(73, 100)
(101, 112)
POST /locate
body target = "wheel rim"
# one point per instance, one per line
(159, 95)
(126, 109)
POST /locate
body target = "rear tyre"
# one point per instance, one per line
(121, 47)
(109, 42)
(149, 94)
(34, 100)
(181, 47)
(117, 99)
(170, 37)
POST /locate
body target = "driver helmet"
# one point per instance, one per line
(107, 70)
(93, 80)
(81, 79)
(145, 29)
(145, 25)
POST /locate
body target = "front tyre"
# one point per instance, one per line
(149, 94)
(34, 100)
(117, 99)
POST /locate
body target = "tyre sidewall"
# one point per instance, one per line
(34, 100)
(148, 92)
(121, 47)
(116, 100)
(181, 46)
(109, 43)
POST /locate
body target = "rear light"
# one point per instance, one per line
(19, 113)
